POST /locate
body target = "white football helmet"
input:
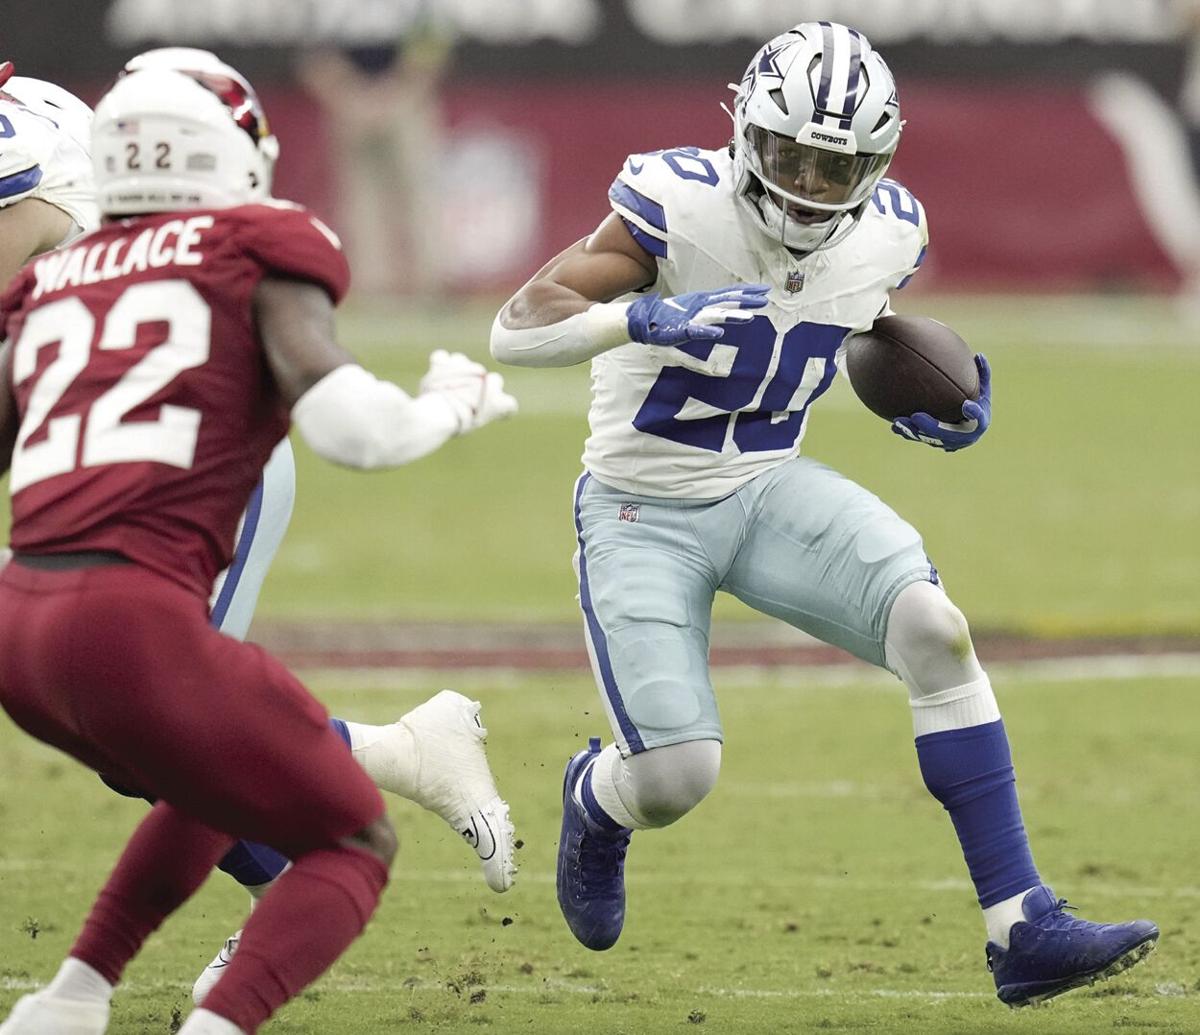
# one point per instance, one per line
(51, 102)
(816, 123)
(180, 129)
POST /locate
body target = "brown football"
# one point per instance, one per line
(909, 364)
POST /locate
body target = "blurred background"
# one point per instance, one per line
(457, 142)
(456, 145)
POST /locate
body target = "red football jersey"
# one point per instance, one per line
(147, 407)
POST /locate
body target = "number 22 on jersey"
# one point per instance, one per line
(106, 437)
(765, 397)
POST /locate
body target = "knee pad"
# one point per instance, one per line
(662, 672)
(929, 647)
(928, 643)
(668, 782)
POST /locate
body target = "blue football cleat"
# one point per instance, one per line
(1050, 953)
(591, 866)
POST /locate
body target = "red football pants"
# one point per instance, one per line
(120, 668)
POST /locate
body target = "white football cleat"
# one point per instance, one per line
(42, 1014)
(211, 974)
(454, 780)
(204, 1022)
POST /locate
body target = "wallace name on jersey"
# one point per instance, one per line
(174, 243)
(701, 419)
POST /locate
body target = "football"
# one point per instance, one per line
(909, 364)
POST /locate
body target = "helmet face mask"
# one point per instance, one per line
(180, 129)
(816, 123)
(814, 177)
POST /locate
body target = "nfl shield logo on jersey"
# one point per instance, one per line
(628, 512)
(795, 282)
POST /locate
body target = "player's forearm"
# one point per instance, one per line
(558, 335)
(28, 228)
(352, 418)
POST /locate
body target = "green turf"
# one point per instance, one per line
(818, 889)
(1076, 515)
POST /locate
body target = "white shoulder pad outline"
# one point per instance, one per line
(906, 216)
(26, 144)
(640, 193)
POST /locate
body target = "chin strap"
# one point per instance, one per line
(777, 223)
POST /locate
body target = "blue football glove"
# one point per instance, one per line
(977, 415)
(695, 316)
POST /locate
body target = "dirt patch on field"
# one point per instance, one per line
(560, 646)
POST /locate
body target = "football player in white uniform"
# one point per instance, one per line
(713, 302)
(46, 192)
(48, 197)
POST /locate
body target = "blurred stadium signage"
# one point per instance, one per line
(679, 22)
(1040, 21)
(290, 22)
(598, 37)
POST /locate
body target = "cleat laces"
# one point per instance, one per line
(602, 857)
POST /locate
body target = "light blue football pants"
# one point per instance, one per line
(799, 542)
(260, 531)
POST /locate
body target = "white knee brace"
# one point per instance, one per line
(928, 645)
(656, 787)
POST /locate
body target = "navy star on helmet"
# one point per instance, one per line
(816, 123)
(765, 63)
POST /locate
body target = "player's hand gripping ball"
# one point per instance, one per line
(922, 377)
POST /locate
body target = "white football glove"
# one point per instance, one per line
(476, 395)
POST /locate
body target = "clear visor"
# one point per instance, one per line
(813, 176)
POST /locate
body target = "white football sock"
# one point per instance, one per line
(77, 980)
(1000, 918)
(607, 773)
(972, 704)
(388, 754)
(204, 1022)
(257, 891)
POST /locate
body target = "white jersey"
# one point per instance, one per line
(700, 420)
(45, 142)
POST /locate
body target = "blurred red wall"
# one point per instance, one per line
(1055, 211)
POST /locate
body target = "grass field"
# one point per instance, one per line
(818, 889)
(1075, 515)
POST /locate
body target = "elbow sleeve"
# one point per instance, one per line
(597, 329)
(351, 417)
